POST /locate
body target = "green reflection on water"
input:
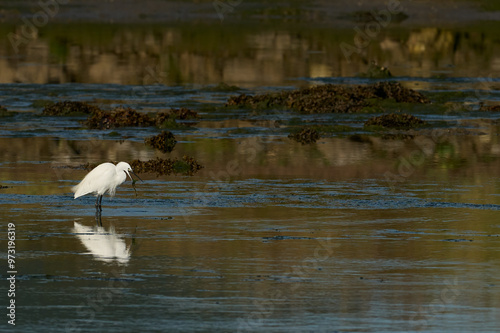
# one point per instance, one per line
(240, 54)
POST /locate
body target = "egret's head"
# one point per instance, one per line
(125, 167)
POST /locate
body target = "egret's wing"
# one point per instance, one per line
(96, 180)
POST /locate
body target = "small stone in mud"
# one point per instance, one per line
(164, 142)
(401, 121)
(305, 136)
(69, 107)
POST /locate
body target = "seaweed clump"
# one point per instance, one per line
(164, 142)
(331, 98)
(118, 117)
(66, 108)
(400, 121)
(128, 117)
(187, 165)
(306, 135)
(167, 119)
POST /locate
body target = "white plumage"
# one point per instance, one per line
(103, 178)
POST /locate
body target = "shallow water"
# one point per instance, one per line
(354, 233)
(288, 238)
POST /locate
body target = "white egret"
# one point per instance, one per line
(103, 178)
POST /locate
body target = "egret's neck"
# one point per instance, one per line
(121, 176)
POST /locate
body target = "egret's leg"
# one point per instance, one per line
(98, 218)
(100, 201)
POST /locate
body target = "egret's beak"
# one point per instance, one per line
(133, 180)
(137, 176)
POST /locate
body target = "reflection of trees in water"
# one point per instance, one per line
(238, 56)
(472, 146)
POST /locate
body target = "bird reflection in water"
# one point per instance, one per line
(104, 245)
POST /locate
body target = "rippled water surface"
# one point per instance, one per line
(312, 239)
(358, 232)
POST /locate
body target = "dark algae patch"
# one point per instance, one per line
(118, 117)
(128, 117)
(168, 119)
(66, 108)
(161, 166)
(331, 98)
(305, 135)
(164, 142)
(181, 114)
(400, 121)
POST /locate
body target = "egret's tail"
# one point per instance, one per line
(74, 189)
(78, 190)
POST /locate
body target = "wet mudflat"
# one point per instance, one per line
(303, 217)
